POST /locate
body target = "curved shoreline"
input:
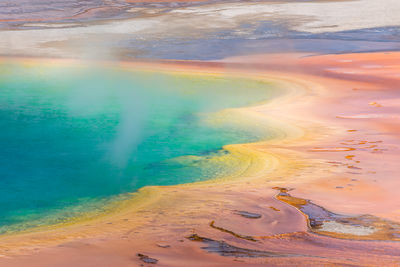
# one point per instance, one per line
(301, 158)
(147, 195)
(111, 203)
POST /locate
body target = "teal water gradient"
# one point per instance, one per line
(71, 138)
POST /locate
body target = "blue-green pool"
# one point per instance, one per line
(74, 137)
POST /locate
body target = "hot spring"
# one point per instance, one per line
(75, 137)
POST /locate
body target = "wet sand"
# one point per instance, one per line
(322, 193)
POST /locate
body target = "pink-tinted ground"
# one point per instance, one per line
(339, 148)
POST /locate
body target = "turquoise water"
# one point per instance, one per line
(72, 138)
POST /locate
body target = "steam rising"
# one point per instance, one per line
(98, 92)
(128, 134)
